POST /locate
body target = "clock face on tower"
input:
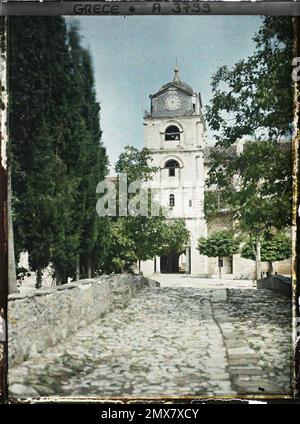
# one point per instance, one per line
(172, 102)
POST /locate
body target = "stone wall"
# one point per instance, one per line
(41, 318)
(277, 283)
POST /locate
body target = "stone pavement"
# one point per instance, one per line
(197, 340)
(185, 280)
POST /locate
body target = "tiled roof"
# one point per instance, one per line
(178, 84)
(229, 151)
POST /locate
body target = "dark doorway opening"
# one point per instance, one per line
(169, 263)
(173, 263)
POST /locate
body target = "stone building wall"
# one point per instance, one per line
(192, 134)
(42, 318)
(283, 267)
(241, 268)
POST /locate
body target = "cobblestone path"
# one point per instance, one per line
(171, 341)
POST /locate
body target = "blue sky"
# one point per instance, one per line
(134, 56)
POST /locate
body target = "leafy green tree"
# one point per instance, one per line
(254, 98)
(275, 247)
(258, 180)
(175, 237)
(69, 133)
(135, 239)
(136, 164)
(257, 187)
(37, 78)
(89, 163)
(56, 152)
(139, 238)
(119, 253)
(218, 245)
(130, 238)
(253, 101)
(156, 236)
(215, 204)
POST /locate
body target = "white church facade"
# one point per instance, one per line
(175, 134)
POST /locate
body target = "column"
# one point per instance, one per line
(157, 260)
(188, 260)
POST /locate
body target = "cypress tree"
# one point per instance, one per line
(92, 162)
(37, 170)
(56, 152)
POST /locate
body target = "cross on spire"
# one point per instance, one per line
(176, 70)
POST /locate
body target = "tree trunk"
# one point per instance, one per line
(258, 258)
(93, 265)
(220, 268)
(270, 268)
(57, 277)
(38, 278)
(12, 277)
(77, 274)
(89, 266)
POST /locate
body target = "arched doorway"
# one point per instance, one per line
(169, 264)
(175, 263)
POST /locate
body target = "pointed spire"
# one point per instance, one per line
(176, 76)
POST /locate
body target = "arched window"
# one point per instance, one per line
(172, 133)
(171, 200)
(171, 165)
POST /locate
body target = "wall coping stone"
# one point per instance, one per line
(277, 283)
(74, 284)
(41, 318)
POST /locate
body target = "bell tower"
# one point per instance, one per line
(174, 132)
